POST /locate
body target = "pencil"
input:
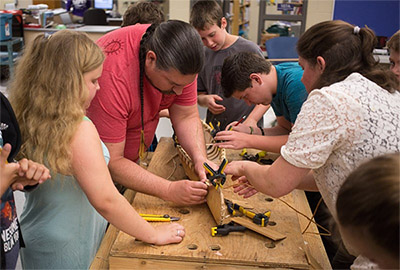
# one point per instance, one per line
(238, 122)
(241, 120)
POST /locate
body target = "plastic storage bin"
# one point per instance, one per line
(5, 26)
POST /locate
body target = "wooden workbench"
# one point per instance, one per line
(199, 249)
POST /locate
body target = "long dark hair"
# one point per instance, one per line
(369, 201)
(177, 45)
(346, 49)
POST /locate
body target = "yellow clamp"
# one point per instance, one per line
(213, 231)
(261, 155)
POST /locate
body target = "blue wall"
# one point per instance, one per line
(382, 16)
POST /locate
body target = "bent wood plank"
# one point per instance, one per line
(266, 231)
(215, 198)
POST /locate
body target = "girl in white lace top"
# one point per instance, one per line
(351, 115)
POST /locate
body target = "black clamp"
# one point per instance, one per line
(215, 127)
(225, 229)
(216, 178)
(259, 157)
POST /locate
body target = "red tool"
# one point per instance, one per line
(238, 122)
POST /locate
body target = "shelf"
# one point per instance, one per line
(8, 57)
(264, 15)
(240, 15)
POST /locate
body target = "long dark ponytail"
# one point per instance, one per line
(177, 45)
(346, 49)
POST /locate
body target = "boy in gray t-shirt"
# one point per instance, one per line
(207, 17)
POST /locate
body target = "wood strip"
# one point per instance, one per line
(267, 232)
(310, 258)
(118, 263)
(215, 198)
(311, 238)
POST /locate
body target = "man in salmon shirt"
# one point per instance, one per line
(147, 69)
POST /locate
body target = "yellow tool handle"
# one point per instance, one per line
(166, 217)
(156, 219)
(225, 163)
(150, 217)
(244, 151)
(247, 213)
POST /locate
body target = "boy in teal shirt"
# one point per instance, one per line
(249, 77)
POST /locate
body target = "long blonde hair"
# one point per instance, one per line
(48, 94)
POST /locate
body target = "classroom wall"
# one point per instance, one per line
(318, 10)
(3, 2)
(179, 10)
(21, 3)
(253, 20)
(381, 16)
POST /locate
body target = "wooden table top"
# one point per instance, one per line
(246, 250)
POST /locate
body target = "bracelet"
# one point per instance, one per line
(251, 130)
(262, 131)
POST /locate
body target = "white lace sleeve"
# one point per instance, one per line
(321, 126)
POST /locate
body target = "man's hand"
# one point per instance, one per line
(209, 101)
(186, 192)
(201, 171)
(232, 139)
